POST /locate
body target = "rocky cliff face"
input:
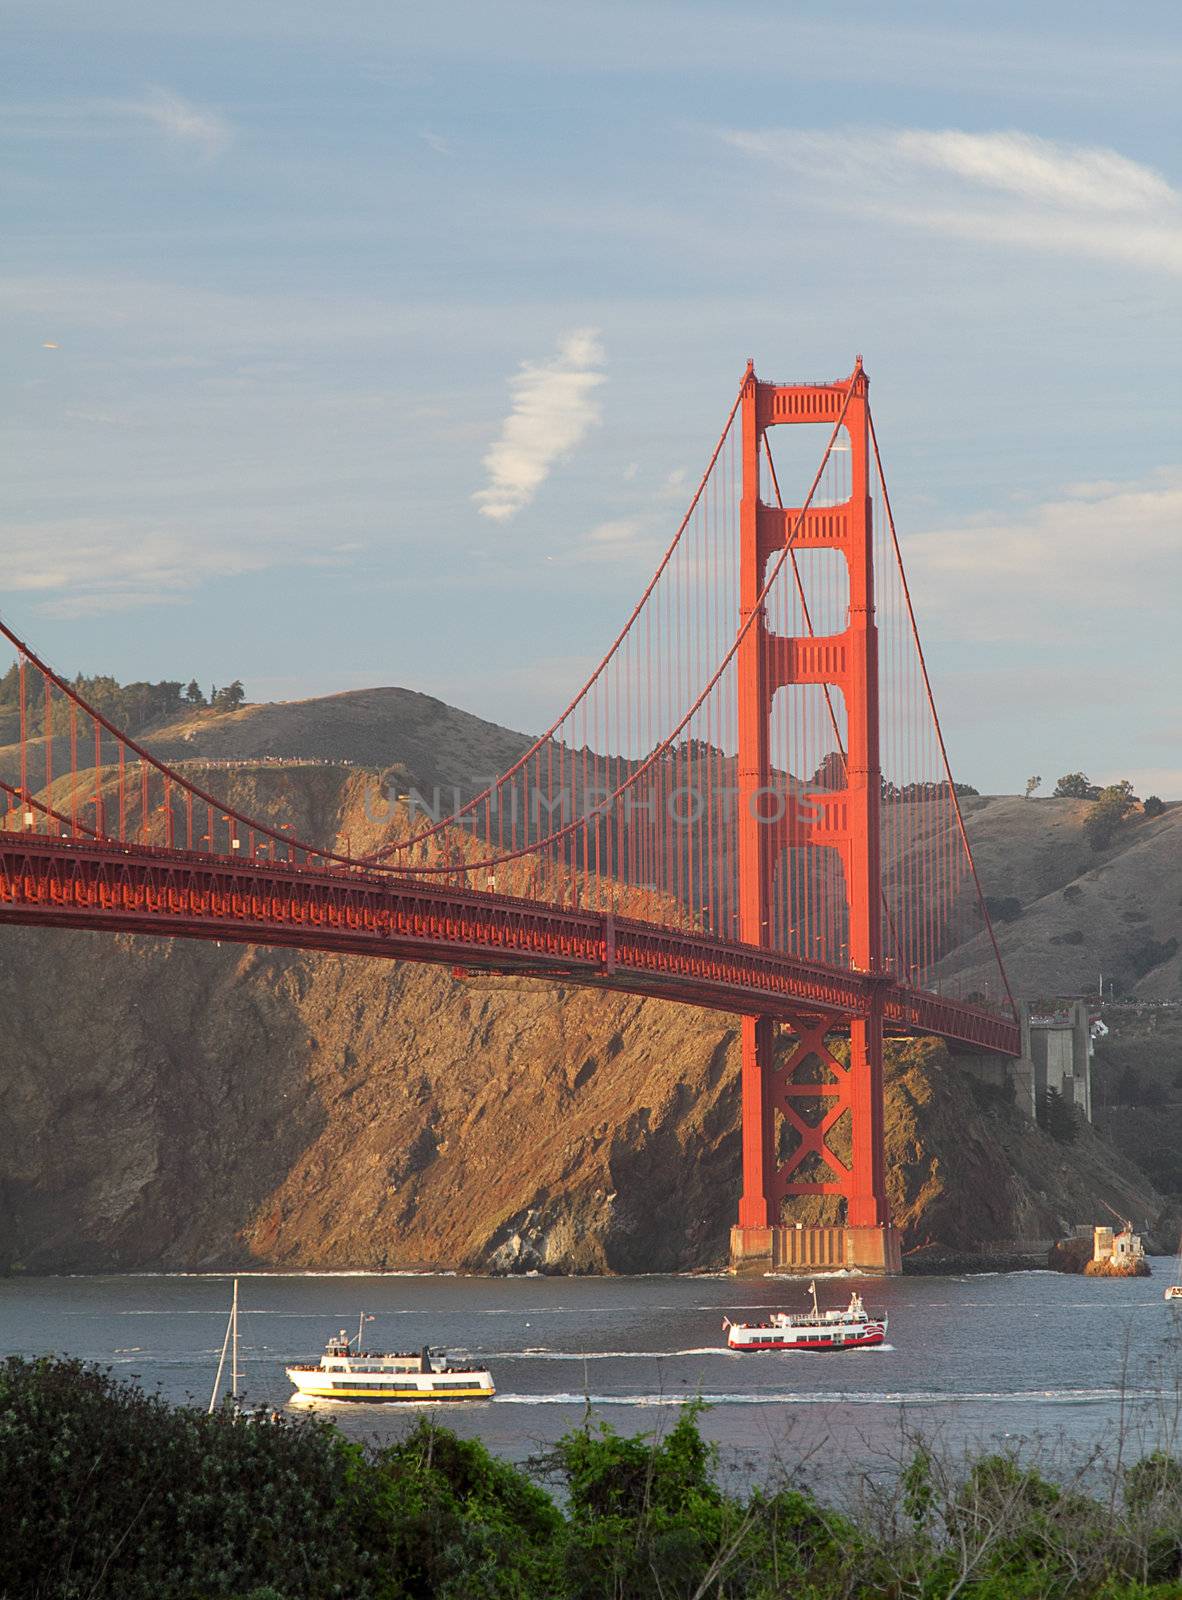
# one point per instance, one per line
(184, 1105)
(172, 1104)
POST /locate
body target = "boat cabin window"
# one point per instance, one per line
(365, 1389)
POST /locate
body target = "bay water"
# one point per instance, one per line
(1050, 1360)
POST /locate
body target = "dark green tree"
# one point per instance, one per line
(229, 698)
(1111, 807)
(449, 1520)
(112, 1493)
(1076, 786)
(1057, 1117)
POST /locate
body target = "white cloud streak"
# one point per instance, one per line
(84, 566)
(183, 124)
(553, 408)
(1036, 169)
(620, 541)
(192, 126)
(90, 566)
(1003, 188)
(1064, 564)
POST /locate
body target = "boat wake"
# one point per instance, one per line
(543, 1354)
(832, 1397)
(799, 1277)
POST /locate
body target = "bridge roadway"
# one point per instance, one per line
(65, 883)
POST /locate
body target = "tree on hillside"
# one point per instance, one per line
(1076, 786)
(1112, 806)
(830, 773)
(1057, 1116)
(924, 789)
(1031, 785)
(229, 698)
(1154, 805)
(193, 695)
(131, 706)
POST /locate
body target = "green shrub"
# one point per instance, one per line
(449, 1520)
(108, 1491)
(1112, 806)
(645, 1515)
(110, 1494)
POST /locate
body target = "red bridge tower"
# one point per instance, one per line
(805, 1096)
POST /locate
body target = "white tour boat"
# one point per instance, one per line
(1174, 1290)
(345, 1373)
(851, 1329)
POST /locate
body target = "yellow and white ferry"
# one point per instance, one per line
(345, 1373)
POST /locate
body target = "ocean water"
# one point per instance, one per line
(1056, 1361)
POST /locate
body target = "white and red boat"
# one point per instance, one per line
(849, 1329)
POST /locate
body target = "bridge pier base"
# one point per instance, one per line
(875, 1251)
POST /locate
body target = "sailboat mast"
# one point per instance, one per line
(217, 1382)
(234, 1322)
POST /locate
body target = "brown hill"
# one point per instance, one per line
(1083, 912)
(431, 742)
(181, 1104)
(184, 1105)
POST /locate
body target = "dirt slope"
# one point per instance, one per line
(432, 743)
(186, 1105)
(1083, 912)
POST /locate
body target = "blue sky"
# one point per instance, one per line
(276, 277)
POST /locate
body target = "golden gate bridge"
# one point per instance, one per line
(748, 807)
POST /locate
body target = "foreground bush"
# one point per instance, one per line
(107, 1491)
(109, 1494)
(448, 1519)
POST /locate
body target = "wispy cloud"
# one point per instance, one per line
(620, 540)
(1093, 179)
(90, 566)
(554, 406)
(1063, 565)
(195, 127)
(1004, 188)
(83, 566)
(183, 123)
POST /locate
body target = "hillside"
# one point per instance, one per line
(432, 743)
(187, 1106)
(181, 1104)
(1079, 912)
(1083, 912)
